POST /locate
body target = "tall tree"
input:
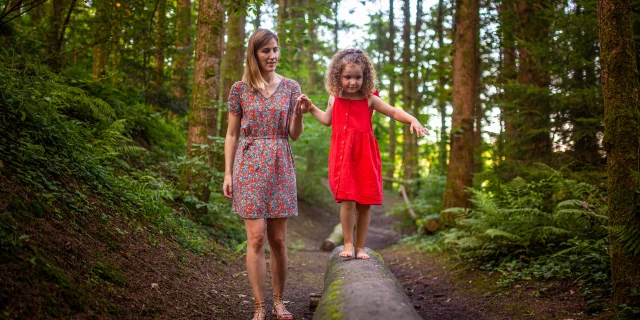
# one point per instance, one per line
(407, 93)
(417, 81)
(256, 21)
(180, 68)
(312, 76)
(158, 53)
(101, 32)
(206, 79)
(59, 17)
(233, 61)
(621, 138)
(534, 115)
(459, 175)
(508, 74)
(392, 94)
(442, 93)
(478, 112)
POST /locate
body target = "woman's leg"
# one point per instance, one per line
(347, 219)
(276, 234)
(362, 226)
(256, 266)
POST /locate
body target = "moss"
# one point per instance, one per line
(108, 272)
(332, 302)
(70, 292)
(377, 255)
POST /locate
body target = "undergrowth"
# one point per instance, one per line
(82, 148)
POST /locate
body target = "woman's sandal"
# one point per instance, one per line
(285, 314)
(259, 308)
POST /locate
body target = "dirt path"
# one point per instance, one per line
(439, 288)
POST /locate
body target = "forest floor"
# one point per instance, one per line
(84, 269)
(440, 287)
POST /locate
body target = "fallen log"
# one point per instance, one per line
(334, 239)
(362, 289)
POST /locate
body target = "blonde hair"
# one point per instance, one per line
(252, 76)
(350, 56)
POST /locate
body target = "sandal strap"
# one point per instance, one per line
(277, 300)
(259, 306)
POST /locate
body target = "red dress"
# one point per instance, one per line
(355, 170)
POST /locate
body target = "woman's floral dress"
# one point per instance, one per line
(264, 179)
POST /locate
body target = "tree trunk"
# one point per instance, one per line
(158, 54)
(621, 138)
(101, 32)
(459, 176)
(59, 19)
(206, 80)
(407, 157)
(442, 94)
(336, 24)
(312, 72)
(232, 67)
(584, 134)
(256, 22)
(535, 124)
(417, 97)
(392, 97)
(283, 16)
(180, 78)
(508, 74)
(478, 115)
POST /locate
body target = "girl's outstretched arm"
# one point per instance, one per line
(323, 117)
(398, 115)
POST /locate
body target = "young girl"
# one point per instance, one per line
(355, 172)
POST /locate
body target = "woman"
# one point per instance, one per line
(259, 168)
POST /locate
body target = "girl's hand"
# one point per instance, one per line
(227, 186)
(305, 103)
(418, 128)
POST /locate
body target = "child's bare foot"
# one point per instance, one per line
(347, 251)
(360, 254)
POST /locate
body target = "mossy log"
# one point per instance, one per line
(362, 289)
(334, 239)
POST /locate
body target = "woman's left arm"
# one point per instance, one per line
(295, 125)
(397, 114)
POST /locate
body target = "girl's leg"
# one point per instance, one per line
(362, 226)
(256, 266)
(347, 219)
(276, 234)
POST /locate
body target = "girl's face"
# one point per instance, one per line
(351, 78)
(268, 56)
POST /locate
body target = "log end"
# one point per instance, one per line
(327, 245)
(431, 225)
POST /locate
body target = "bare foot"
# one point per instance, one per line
(360, 254)
(347, 251)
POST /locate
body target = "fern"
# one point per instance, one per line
(628, 238)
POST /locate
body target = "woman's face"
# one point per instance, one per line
(268, 56)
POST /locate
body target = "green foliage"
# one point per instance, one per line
(85, 148)
(552, 227)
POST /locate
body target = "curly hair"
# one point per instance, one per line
(349, 56)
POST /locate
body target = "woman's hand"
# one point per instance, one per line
(418, 128)
(227, 186)
(303, 103)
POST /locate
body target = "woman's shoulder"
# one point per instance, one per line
(239, 85)
(290, 82)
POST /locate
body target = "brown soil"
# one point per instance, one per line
(99, 272)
